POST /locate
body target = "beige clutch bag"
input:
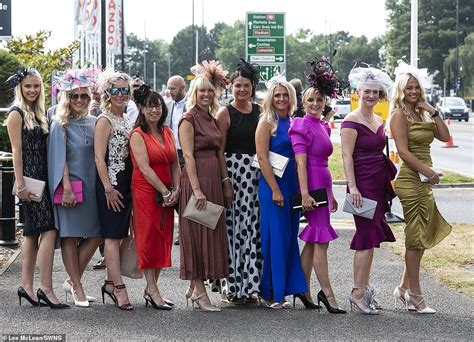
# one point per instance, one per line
(34, 187)
(207, 217)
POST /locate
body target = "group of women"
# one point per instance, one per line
(106, 178)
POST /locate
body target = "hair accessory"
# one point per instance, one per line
(250, 71)
(140, 95)
(75, 78)
(370, 75)
(323, 78)
(276, 79)
(16, 78)
(420, 74)
(214, 72)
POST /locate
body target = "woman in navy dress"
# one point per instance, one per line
(282, 274)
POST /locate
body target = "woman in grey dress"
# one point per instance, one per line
(70, 164)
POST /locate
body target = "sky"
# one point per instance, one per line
(164, 19)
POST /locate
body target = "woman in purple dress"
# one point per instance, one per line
(368, 173)
(312, 146)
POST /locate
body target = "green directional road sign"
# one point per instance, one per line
(265, 42)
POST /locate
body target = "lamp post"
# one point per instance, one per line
(169, 64)
(154, 75)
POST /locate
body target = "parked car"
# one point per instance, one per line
(453, 108)
(342, 107)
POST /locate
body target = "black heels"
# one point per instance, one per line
(307, 304)
(42, 298)
(104, 291)
(322, 298)
(149, 298)
(23, 294)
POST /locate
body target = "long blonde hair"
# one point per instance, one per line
(63, 112)
(199, 83)
(33, 115)
(269, 112)
(105, 81)
(399, 87)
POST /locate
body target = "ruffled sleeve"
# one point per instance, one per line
(300, 136)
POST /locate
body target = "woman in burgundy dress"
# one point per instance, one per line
(368, 173)
(155, 188)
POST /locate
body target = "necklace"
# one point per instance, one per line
(366, 119)
(83, 132)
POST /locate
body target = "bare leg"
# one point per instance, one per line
(112, 260)
(70, 256)
(360, 276)
(369, 267)
(29, 252)
(200, 289)
(320, 262)
(151, 276)
(307, 256)
(45, 260)
(413, 261)
(86, 252)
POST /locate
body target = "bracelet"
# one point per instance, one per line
(351, 181)
(167, 195)
(434, 175)
(21, 190)
(224, 179)
(109, 190)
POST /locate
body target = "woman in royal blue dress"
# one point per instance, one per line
(312, 146)
(282, 274)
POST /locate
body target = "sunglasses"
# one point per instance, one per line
(157, 107)
(116, 91)
(75, 97)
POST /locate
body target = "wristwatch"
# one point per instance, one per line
(435, 114)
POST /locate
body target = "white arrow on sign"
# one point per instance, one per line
(250, 25)
(252, 45)
(279, 58)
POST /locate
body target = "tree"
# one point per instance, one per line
(10, 64)
(30, 51)
(231, 45)
(466, 65)
(436, 31)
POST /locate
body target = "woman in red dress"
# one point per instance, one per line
(155, 188)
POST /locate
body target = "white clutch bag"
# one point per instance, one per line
(277, 161)
(207, 217)
(367, 209)
(33, 186)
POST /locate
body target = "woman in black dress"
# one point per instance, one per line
(28, 130)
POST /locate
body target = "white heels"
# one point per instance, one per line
(399, 296)
(409, 299)
(67, 287)
(79, 303)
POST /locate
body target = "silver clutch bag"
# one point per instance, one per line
(33, 186)
(367, 209)
(207, 217)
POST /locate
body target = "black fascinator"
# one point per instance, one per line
(141, 94)
(250, 71)
(16, 78)
(323, 78)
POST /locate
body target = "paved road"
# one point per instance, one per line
(105, 322)
(459, 160)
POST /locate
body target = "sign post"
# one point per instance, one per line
(5, 19)
(265, 42)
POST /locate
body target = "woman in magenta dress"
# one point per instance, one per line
(368, 173)
(312, 146)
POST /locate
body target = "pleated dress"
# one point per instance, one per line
(425, 226)
(203, 251)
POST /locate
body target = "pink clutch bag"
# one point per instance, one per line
(76, 188)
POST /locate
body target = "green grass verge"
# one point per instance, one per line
(452, 178)
(451, 262)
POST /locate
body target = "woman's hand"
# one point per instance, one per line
(24, 195)
(201, 201)
(277, 198)
(114, 202)
(334, 205)
(308, 202)
(69, 199)
(434, 179)
(425, 106)
(172, 199)
(356, 196)
(228, 193)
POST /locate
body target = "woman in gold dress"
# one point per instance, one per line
(414, 124)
